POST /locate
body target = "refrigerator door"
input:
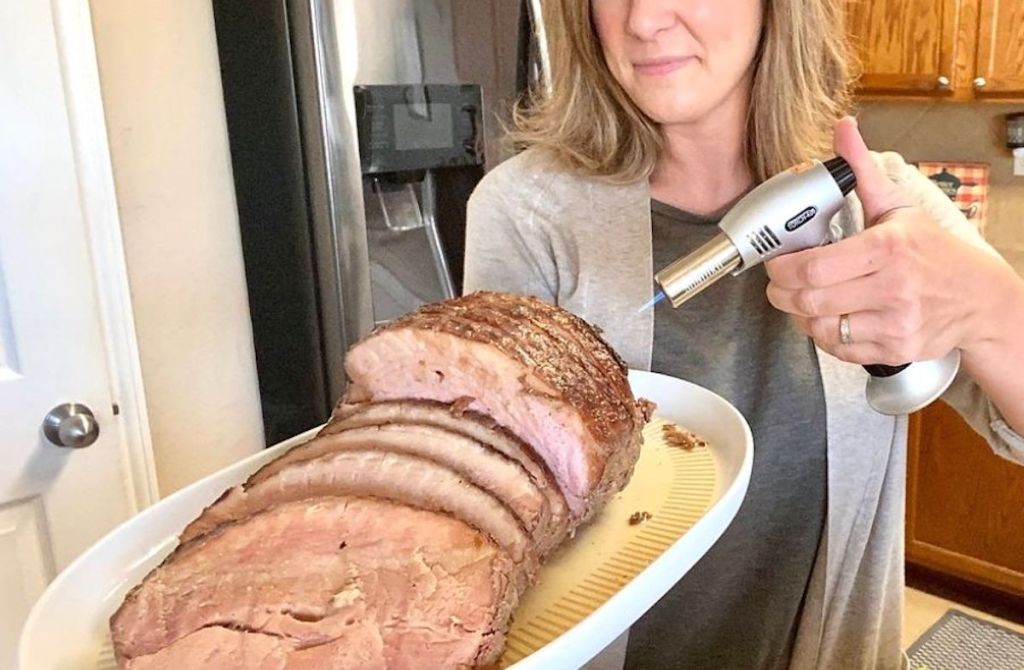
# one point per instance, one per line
(322, 262)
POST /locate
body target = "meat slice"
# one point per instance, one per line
(342, 583)
(218, 647)
(488, 469)
(399, 477)
(358, 646)
(557, 387)
(477, 426)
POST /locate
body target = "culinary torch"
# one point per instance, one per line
(790, 212)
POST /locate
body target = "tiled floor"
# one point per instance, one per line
(923, 610)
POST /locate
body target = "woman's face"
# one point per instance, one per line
(679, 60)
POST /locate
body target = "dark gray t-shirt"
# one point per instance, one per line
(739, 606)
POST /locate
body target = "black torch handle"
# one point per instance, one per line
(879, 370)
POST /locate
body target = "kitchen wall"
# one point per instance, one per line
(973, 132)
(168, 142)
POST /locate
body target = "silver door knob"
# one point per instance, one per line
(71, 425)
(943, 82)
(980, 82)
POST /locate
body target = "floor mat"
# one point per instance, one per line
(959, 641)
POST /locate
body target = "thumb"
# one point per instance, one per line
(878, 194)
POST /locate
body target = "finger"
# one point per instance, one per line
(860, 294)
(842, 261)
(873, 339)
(801, 323)
(868, 353)
(876, 191)
(865, 353)
(824, 331)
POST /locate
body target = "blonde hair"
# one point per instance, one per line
(801, 85)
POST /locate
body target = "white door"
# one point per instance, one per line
(54, 348)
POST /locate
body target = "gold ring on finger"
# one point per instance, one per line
(844, 330)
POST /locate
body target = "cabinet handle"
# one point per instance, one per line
(980, 82)
(943, 83)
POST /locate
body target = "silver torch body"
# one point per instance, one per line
(790, 212)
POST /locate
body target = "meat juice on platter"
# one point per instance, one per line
(475, 436)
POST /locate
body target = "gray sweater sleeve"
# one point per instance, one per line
(965, 396)
(508, 245)
(585, 245)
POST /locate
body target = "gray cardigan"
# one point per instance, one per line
(586, 245)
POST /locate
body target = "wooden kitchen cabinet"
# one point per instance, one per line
(1000, 61)
(965, 505)
(948, 49)
(904, 45)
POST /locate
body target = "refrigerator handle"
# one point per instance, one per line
(540, 35)
(324, 74)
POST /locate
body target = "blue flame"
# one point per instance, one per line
(658, 297)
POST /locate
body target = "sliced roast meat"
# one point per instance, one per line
(358, 646)
(399, 477)
(475, 435)
(604, 374)
(488, 469)
(341, 583)
(565, 396)
(471, 424)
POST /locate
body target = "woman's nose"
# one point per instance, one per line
(649, 17)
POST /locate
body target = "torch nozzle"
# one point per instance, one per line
(693, 273)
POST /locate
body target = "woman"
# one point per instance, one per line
(662, 114)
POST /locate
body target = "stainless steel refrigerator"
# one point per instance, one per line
(358, 129)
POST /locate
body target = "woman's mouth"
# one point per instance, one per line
(656, 67)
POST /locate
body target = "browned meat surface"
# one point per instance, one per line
(540, 372)
(341, 583)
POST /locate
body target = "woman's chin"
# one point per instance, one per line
(679, 112)
(682, 103)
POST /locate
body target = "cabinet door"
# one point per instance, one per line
(1000, 66)
(906, 47)
(965, 505)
